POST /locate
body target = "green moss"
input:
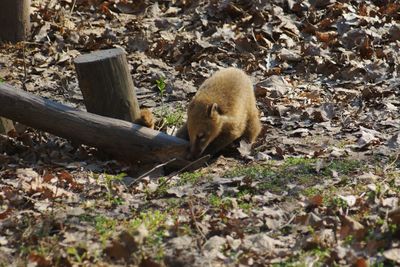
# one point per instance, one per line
(391, 177)
(311, 191)
(302, 259)
(337, 202)
(343, 167)
(275, 176)
(254, 172)
(105, 227)
(219, 202)
(246, 206)
(109, 181)
(174, 203)
(190, 177)
(154, 221)
(215, 200)
(77, 253)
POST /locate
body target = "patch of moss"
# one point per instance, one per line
(343, 167)
(215, 200)
(254, 171)
(319, 254)
(105, 227)
(154, 222)
(151, 219)
(311, 191)
(275, 176)
(190, 177)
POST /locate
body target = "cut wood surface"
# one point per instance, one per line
(106, 84)
(123, 139)
(14, 20)
(6, 126)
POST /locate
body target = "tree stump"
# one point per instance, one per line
(14, 20)
(106, 84)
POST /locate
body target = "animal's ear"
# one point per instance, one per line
(213, 110)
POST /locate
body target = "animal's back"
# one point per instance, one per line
(230, 88)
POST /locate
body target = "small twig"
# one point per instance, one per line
(194, 220)
(391, 164)
(288, 222)
(53, 200)
(24, 66)
(387, 167)
(291, 34)
(73, 6)
(150, 171)
(173, 130)
(162, 125)
(30, 198)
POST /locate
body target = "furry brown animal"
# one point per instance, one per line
(223, 110)
(146, 118)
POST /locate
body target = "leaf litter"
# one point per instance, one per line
(320, 187)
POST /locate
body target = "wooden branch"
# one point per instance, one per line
(122, 139)
(106, 84)
(14, 20)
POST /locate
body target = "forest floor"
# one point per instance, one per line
(321, 186)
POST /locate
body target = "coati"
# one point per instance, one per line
(223, 110)
(146, 118)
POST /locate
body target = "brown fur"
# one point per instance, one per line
(146, 118)
(223, 110)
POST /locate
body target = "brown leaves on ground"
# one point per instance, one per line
(326, 78)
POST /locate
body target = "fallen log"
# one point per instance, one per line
(122, 139)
